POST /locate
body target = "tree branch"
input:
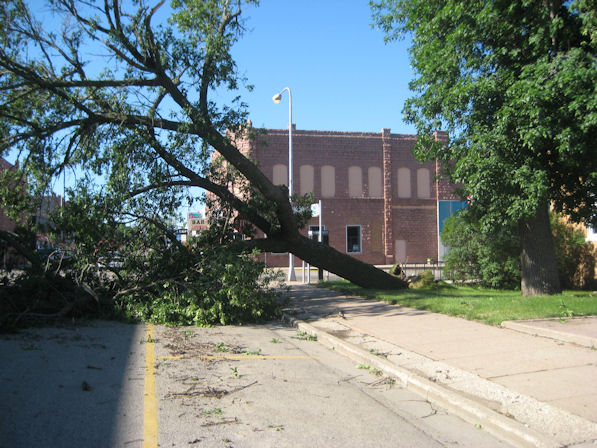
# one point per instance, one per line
(139, 82)
(167, 232)
(198, 181)
(13, 240)
(124, 292)
(208, 62)
(273, 244)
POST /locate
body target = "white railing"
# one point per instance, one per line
(415, 268)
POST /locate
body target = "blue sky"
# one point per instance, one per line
(342, 75)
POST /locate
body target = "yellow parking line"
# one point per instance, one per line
(150, 408)
(248, 357)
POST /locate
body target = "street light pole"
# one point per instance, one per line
(277, 98)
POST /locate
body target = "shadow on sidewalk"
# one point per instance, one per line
(70, 385)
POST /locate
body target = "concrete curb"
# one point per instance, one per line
(471, 411)
(529, 328)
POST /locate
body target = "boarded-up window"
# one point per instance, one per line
(355, 182)
(400, 254)
(376, 236)
(423, 183)
(306, 175)
(374, 174)
(280, 174)
(328, 181)
(404, 183)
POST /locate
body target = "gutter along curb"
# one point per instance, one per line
(456, 403)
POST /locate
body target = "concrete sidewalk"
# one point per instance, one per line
(534, 383)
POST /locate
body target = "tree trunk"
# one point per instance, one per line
(539, 270)
(15, 241)
(343, 265)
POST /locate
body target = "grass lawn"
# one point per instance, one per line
(485, 305)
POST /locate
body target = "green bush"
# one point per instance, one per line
(424, 280)
(490, 258)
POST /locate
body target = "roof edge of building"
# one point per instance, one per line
(307, 132)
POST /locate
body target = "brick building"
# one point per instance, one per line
(379, 203)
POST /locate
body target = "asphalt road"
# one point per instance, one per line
(108, 384)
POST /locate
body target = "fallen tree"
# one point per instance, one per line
(124, 96)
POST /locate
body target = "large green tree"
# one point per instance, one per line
(514, 82)
(124, 91)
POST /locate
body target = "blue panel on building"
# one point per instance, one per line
(446, 209)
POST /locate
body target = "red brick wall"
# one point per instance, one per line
(368, 213)
(382, 220)
(318, 148)
(417, 225)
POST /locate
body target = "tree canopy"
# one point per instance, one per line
(123, 92)
(515, 85)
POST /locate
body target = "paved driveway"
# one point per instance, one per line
(107, 384)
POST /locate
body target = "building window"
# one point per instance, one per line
(328, 181)
(374, 174)
(355, 182)
(306, 176)
(314, 234)
(423, 183)
(353, 239)
(280, 174)
(403, 183)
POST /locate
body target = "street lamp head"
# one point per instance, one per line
(277, 97)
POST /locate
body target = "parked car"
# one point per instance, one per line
(112, 260)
